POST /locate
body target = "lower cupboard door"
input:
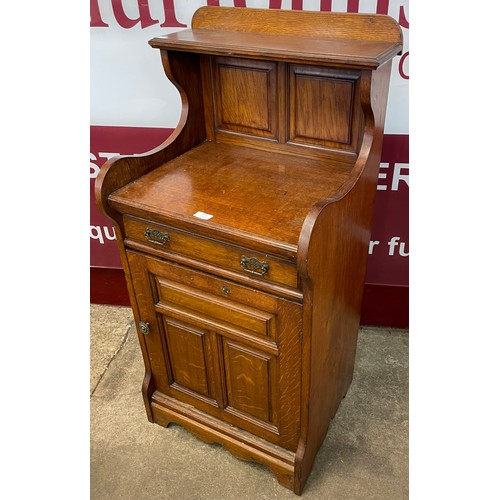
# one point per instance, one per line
(221, 368)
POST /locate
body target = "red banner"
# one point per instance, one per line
(106, 142)
(389, 246)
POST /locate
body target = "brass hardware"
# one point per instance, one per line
(254, 266)
(225, 290)
(144, 327)
(157, 237)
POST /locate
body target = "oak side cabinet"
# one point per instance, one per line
(244, 236)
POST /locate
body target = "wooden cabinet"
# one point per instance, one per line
(244, 235)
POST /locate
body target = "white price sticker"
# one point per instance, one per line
(203, 215)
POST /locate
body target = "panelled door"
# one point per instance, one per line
(227, 349)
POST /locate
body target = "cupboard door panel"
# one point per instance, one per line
(188, 354)
(249, 374)
(333, 96)
(246, 97)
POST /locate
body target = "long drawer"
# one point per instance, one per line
(168, 240)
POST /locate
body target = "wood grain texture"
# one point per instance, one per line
(242, 188)
(316, 25)
(324, 107)
(342, 53)
(152, 345)
(250, 384)
(246, 96)
(206, 73)
(290, 318)
(217, 287)
(188, 356)
(363, 40)
(324, 126)
(211, 251)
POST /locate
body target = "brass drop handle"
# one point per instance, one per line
(157, 237)
(144, 327)
(254, 266)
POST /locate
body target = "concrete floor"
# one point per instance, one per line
(364, 456)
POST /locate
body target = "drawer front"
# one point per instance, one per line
(245, 261)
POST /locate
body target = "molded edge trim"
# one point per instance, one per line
(383, 305)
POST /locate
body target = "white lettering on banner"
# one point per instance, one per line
(96, 233)
(397, 176)
(372, 246)
(94, 168)
(395, 247)
(395, 242)
(381, 175)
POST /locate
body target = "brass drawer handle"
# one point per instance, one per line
(254, 266)
(157, 237)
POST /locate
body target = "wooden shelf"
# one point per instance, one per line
(276, 47)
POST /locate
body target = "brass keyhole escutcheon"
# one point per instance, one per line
(226, 290)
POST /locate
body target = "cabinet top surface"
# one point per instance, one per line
(245, 190)
(338, 38)
(341, 52)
